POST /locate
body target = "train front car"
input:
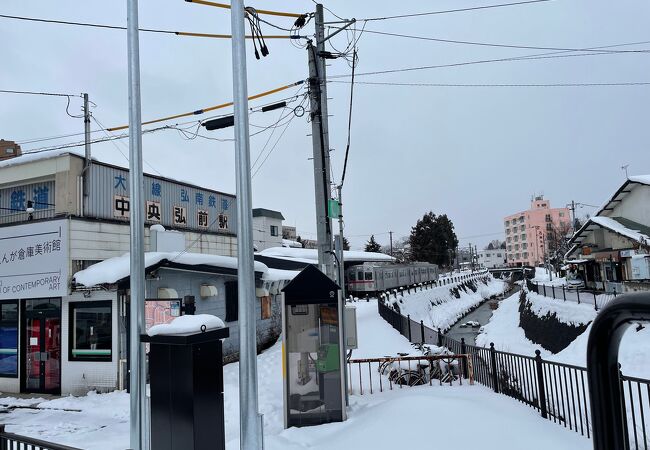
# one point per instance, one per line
(361, 279)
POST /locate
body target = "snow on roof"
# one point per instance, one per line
(643, 179)
(279, 274)
(115, 269)
(187, 324)
(36, 156)
(619, 228)
(290, 243)
(311, 255)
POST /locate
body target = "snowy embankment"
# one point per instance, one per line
(100, 422)
(504, 330)
(442, 306)
(543, 276)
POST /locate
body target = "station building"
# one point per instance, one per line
(64, 295)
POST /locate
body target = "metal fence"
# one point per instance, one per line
(559, 392)
(372, 375)
(10, 441)
(564, 293)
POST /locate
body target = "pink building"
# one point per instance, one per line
(528, 232)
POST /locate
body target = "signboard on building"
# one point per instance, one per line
(169, 203)
(34, 260)
(15, 200)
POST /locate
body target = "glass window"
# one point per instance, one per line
(232, 305)
(91, 331)
(368, 275)
(274, 230)
(360, 276)
(9, 339)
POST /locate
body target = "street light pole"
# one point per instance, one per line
(137, 375)
(251, 434)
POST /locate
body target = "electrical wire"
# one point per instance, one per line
(260, 11)
(447, 11)
(347, 147)
(145, 30)
(538, 56)
(51, 94)
(273, 148)
(490, 44)
(487, 85)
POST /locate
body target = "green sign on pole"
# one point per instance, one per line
(333, 209)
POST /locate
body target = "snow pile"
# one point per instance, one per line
(115, 269)
(566, 312)
(543, 276)
(634, 355)
(439, 307)
(290, 243)
(279, 274)
(504, 330)
(187, 324)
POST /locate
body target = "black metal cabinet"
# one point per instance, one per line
(186, 381)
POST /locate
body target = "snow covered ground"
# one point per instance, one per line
(439, 308)
(405, 418)
(543, 276)
(503, 329)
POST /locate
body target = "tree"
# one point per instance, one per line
(346, 243)
(490, 246)
(372, 245)
(433, 240)
(557, 241)
(401, 250)
(299, 240)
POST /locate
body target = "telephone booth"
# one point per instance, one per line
(313, 355)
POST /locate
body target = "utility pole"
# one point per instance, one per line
(138, 369)
(88, 160)
(251, 421)
(339, 248)
(320, 142)
(391, 242)
(573, 215)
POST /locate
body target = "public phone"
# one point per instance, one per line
(312, 357)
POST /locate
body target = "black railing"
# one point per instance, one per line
(10, 441)
(619, 422)
(559, 392)
(566, 293)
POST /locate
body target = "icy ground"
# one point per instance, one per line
(503, 329)
(405, 418)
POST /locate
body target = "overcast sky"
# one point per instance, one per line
(476, 154)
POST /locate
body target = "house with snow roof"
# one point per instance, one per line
(64, 298)
(612, 248)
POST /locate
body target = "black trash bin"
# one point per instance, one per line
(186, 382)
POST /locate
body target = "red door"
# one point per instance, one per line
(43, 346)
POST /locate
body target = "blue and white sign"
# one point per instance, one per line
(34, 260)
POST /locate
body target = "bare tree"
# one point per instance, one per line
(557, 240)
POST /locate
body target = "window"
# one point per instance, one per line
(524, 245)
(523, 237)
(91, 331)
(498, 255)
(265, 306)
(507, 223)
(9, 339)
(525, 255)
(522, 228)
(231, 301)
(352, 276)
(274, 230)
(516, 238)
(516, 246)
(508, 231)
(360, 276)
(548, 217)
(561, 214)
(368, 276)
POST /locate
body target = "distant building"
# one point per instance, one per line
(289, 233)
(9, 149)
(527, 232)
(612, 249)
(492, 259)
(267, 228)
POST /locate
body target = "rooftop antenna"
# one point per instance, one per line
(624, 167)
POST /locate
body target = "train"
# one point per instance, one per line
(368, 278)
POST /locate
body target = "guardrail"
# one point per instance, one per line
(11, 441)
(557, 391)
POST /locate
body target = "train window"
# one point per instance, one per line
(360, 276)
(351, 276)
(368, 275)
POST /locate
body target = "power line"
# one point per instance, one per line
(538, 56)
(447, 11)
(347, 147)
(145, 30)
(488, 85)
(51, 94)
(491, 44)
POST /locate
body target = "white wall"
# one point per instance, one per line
(262, 233)
(493, 260)
(79, 377)
(635, 205)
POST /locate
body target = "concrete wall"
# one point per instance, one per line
(262, 238)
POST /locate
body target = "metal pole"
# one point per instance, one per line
(251, 435)
(320, 142)
(137, 378)
(391, 242)
(87, 160)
